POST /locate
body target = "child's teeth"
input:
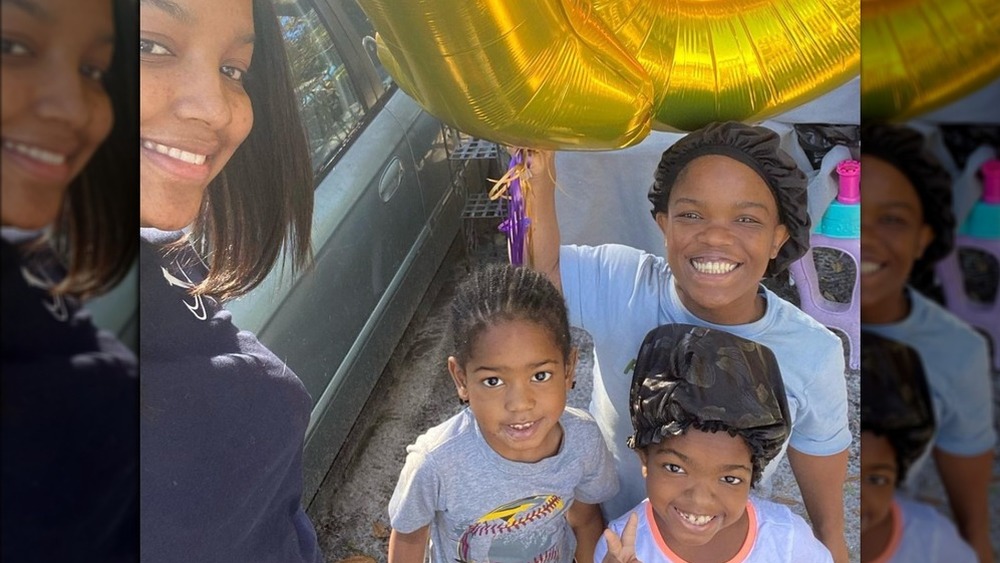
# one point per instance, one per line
(521, 426)
(36, 153)
(696, 520)
(870, 267)
(183, 156)
(714, 267)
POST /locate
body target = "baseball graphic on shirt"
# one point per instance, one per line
(528, 530)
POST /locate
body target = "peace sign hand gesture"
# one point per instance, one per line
(622, 550)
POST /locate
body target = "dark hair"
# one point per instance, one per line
(94, 233)
(758, 148)
(261, 204)
(690, 376)
(501, 292)
(904, 149)
(895, 398)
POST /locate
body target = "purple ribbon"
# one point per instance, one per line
(516, 224)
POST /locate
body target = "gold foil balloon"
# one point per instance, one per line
(745, 60)
(920, 55)
(597, 74)
(520, 72)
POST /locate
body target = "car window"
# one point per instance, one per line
(358, 20)
(330, 107)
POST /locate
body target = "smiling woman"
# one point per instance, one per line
(221, 141)
(67, 122)
(222, 152)
(69, 395)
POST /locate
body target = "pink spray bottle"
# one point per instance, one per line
(981, 232)
(840, 229)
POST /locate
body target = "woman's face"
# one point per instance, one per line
(55, 109)
(193, 109)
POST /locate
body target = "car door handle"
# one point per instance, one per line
(392, 177)
(371, 47)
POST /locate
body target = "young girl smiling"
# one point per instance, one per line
(516, 476)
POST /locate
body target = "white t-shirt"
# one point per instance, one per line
(921, 534)
(957, 364)
(618, 294)
(775, 535)
(483, 507)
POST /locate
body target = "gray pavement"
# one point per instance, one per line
(416, 393)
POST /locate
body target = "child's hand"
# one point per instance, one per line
(622, 550)
(542, 165)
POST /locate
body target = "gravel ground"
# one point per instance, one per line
(415, 393)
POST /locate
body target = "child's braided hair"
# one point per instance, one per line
(501, 292)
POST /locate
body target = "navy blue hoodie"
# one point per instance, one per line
(222, 423)
(69, 422)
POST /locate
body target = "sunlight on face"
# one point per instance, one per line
(56, 111)
(516, 381)
(194, 111)
(721, 229)
(698, 484)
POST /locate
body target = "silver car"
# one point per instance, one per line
(388, 206)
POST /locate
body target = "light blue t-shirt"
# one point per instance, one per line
(924, 535)
(483, 507)
(957, 364)
(618, 294)
(775, 535)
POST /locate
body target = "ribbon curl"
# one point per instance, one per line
(514, 186)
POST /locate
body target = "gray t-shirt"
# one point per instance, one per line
(482, 507)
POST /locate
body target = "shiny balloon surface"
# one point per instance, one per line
(920, 55)
(599, 74)
(523, 73)
(743, 60)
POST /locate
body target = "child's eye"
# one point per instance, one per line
(94, 73)
(234, 73)
(542, 376)
(893, 220)
(492, 382)
(688, 215)
(673, 468)
(731, 480)
(152, 48)
(878, 480)
(750, 220)
(13, 48)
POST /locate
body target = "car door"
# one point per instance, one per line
(368, 210)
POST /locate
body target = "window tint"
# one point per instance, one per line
(330, 107)
(358, 20)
